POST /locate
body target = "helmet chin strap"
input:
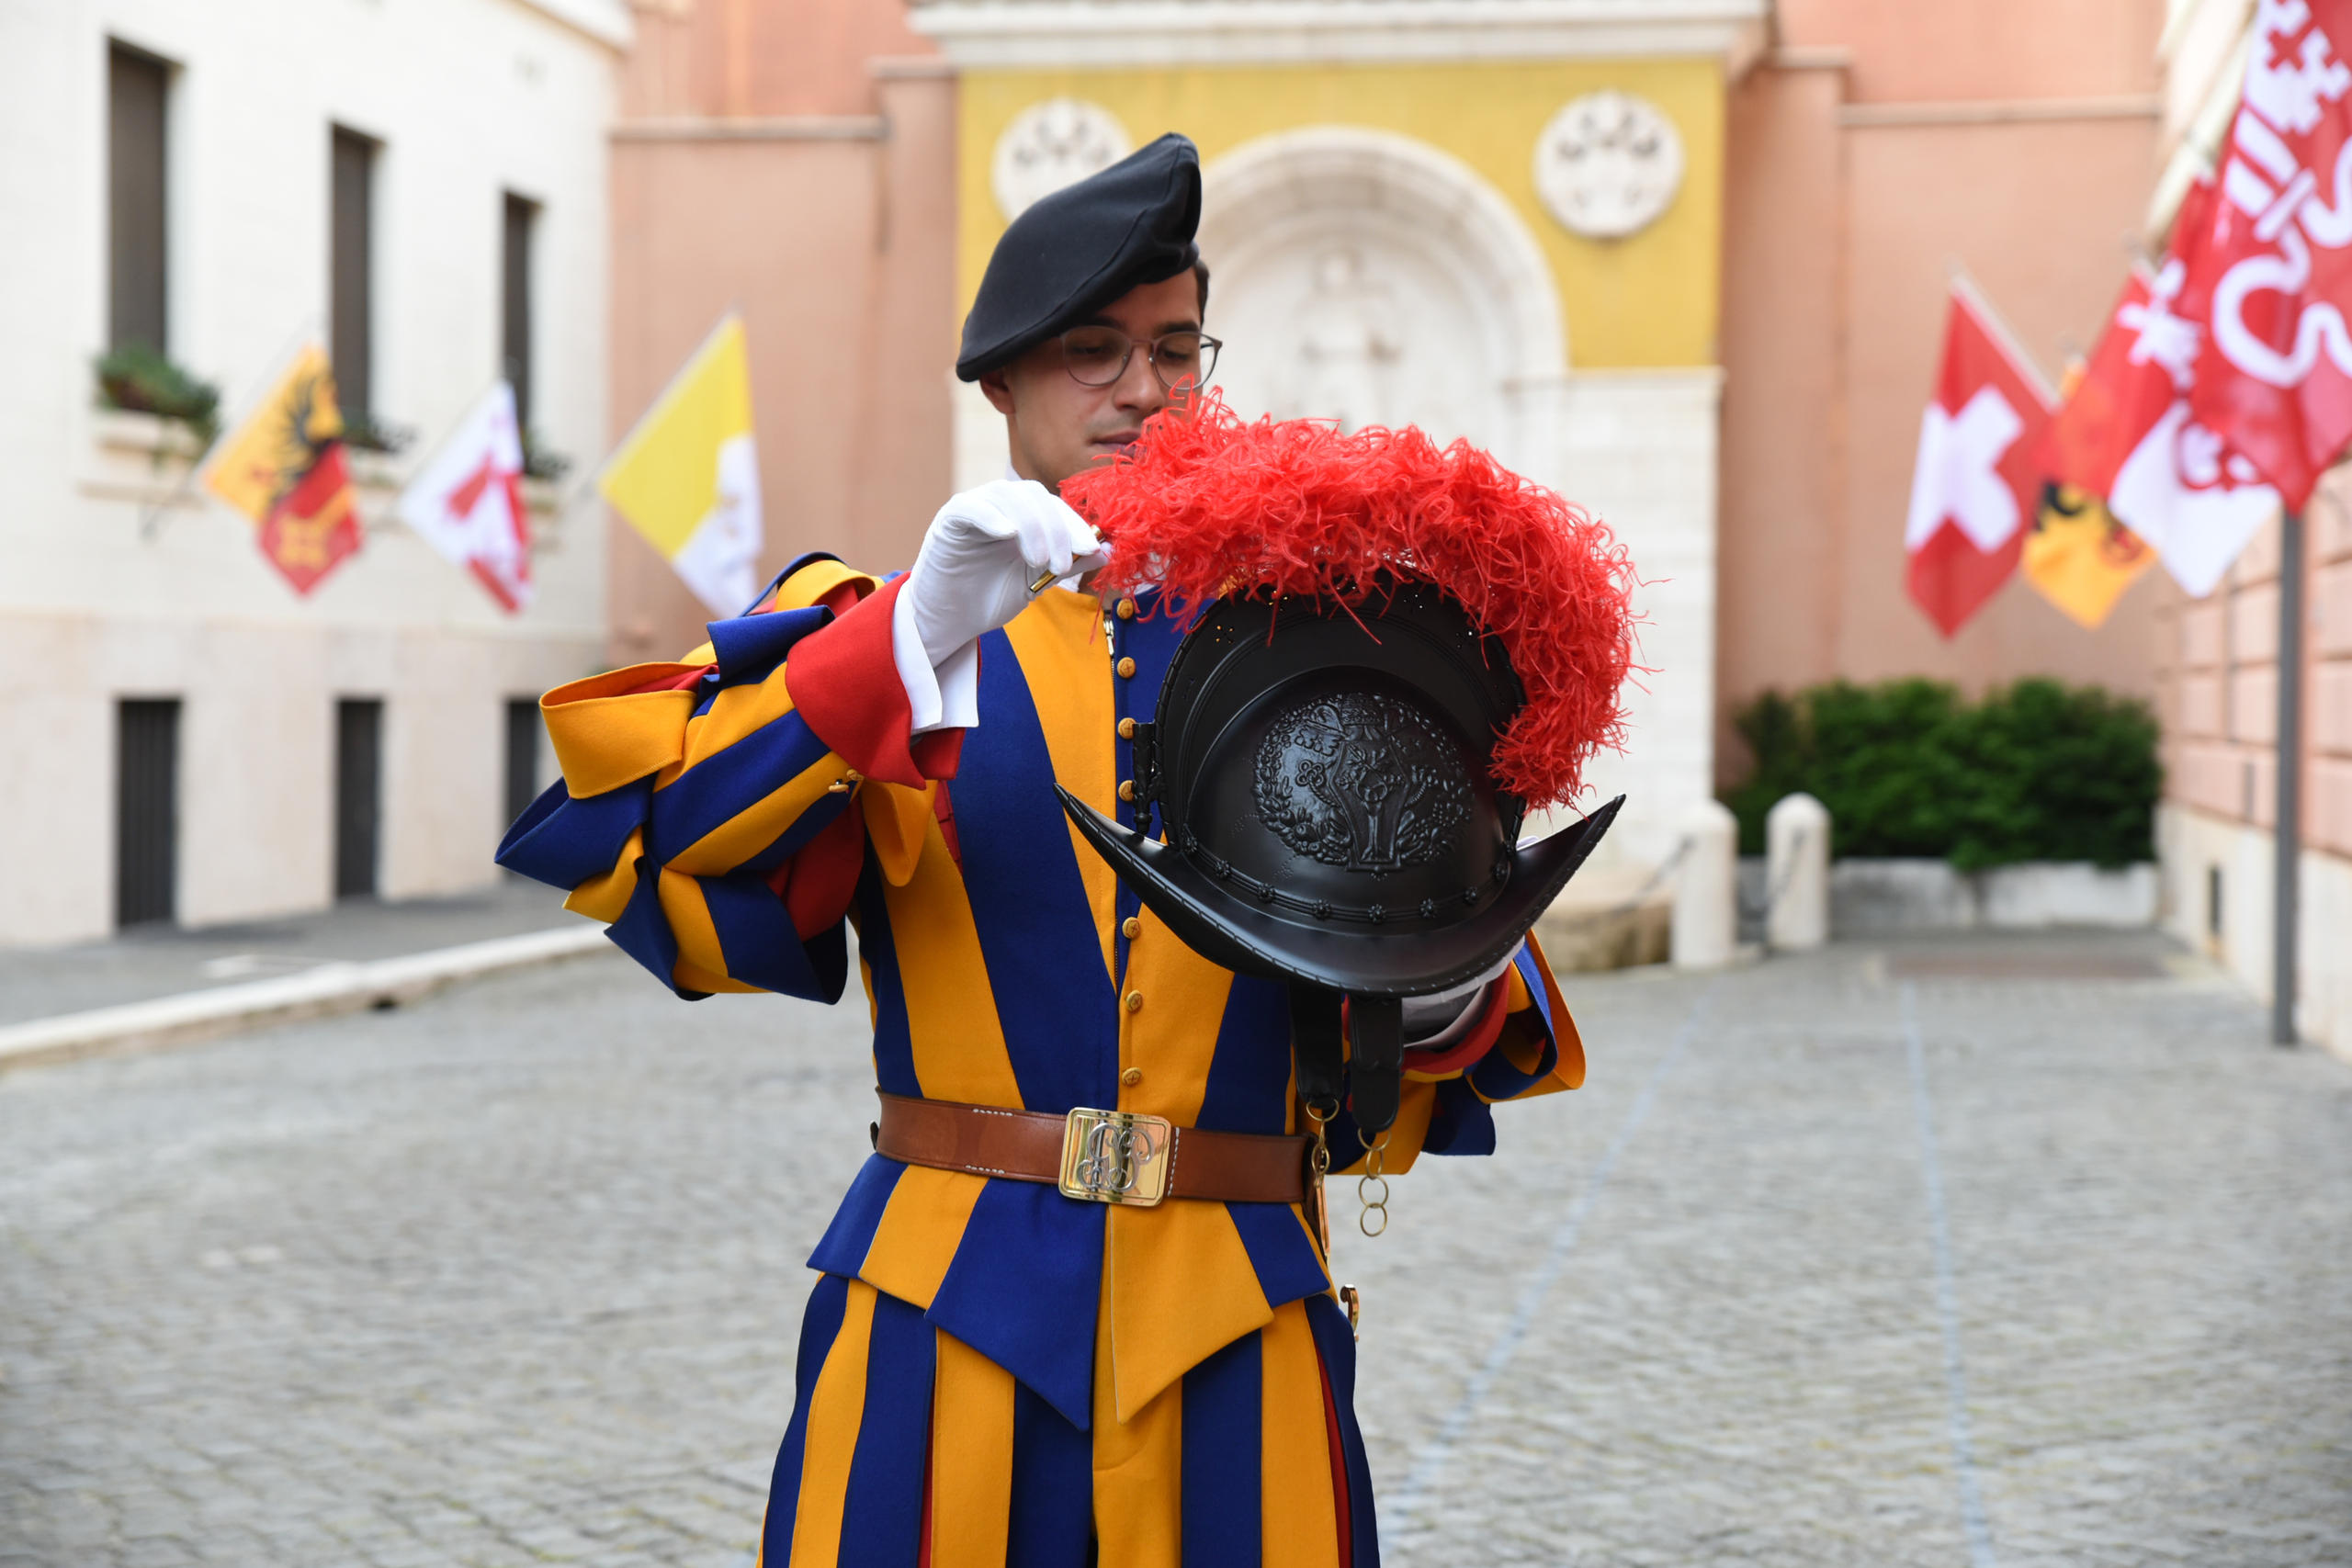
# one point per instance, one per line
(1372, 1068)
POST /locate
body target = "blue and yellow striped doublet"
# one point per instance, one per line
(991, 1373)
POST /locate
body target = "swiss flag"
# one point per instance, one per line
(1978, 478)
(2271, 270)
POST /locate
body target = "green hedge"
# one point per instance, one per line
(2037, 771)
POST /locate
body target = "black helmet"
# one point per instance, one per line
(1322, 775)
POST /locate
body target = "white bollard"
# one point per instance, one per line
(1706, 888)
(1796, 874)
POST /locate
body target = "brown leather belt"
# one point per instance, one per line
(1101, 1156)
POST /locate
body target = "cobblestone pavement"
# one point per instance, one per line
(1879, 1257)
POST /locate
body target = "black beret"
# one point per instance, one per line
(1074, 251)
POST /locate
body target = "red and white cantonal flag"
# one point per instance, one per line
(2127, 433)
(468, 502)
(1977, 483)
(2272, 269)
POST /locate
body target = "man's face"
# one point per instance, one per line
(1058, 427)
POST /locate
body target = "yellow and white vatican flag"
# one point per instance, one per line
(688, 477)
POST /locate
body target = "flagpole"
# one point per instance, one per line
(2287, 841)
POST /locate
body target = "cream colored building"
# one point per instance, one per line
(118, 586)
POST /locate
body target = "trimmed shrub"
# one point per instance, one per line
(2039, 771)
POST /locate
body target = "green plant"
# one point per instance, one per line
(141, 380)
(2035, 771)
(541, 461)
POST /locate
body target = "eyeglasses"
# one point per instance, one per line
(1098, 356)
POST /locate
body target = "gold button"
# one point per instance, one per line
(1127, 729)
(1132, 1076)
(1126, 789)
(1135, 1001)
(1126, 609)
(1126, 666)
(1131, 928)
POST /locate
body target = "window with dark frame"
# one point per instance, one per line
(515, 268)
(138, 233)
(359, 794)
(351, 339)
(522, 755)
(146, 810)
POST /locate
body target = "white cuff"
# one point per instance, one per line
(945, 697)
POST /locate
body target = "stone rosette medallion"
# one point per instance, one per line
(1608, 165)
(1051, 144)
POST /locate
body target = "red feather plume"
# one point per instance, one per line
(1206, 502)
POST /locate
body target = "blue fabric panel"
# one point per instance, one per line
(1279, 1250)
(756, 936)
(1493, 1074)
(1462, 1125)
(1337, 1344)
(843, 1249)
(749, 648)
(726, 783)
(1224, 1429)
(564, 842)
(795, 839)
(1249, 1075)
(882, 1515)
(1052, 1519)
(643, 932)
(820, 1325)
(1532, 972)
(1061, 1024)
(1023, 1287)
(894, 1051)
(1150, 640)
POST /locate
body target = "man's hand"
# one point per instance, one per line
(981, 553)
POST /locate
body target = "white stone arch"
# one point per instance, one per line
(1461, 269)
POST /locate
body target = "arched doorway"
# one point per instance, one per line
(1368, 277)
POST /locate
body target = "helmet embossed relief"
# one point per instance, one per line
(1324, 784)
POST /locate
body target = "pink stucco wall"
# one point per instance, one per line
(770, 162)
(1881, 145)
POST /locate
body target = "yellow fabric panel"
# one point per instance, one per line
(602, 743)
(1301, 1521)
(1171, 1039)
(921, 1226)
(819, 577)
(1138, 1458)
(751, 830)
(735, 713)
(690, 923)
(602, 899)
(1649, 299)
(951, 1010)
(899, 822)
(1066, 658)
(971, 1458)
(836, 1411)
(1179, 1287)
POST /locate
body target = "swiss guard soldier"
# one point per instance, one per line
(1181, 849)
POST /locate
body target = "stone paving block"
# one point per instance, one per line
(513, 1277)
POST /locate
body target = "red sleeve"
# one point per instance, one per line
(844, 685)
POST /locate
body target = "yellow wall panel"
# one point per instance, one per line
(1646, 301)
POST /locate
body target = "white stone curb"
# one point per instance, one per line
(314, 993)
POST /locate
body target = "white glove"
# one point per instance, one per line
(1435, 1019)
(981, 553)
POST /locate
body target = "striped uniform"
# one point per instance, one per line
(991, 1373)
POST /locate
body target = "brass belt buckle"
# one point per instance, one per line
(1117, 1156)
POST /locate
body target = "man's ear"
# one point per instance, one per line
(998, 391)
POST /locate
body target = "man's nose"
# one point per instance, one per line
(1139, 387)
